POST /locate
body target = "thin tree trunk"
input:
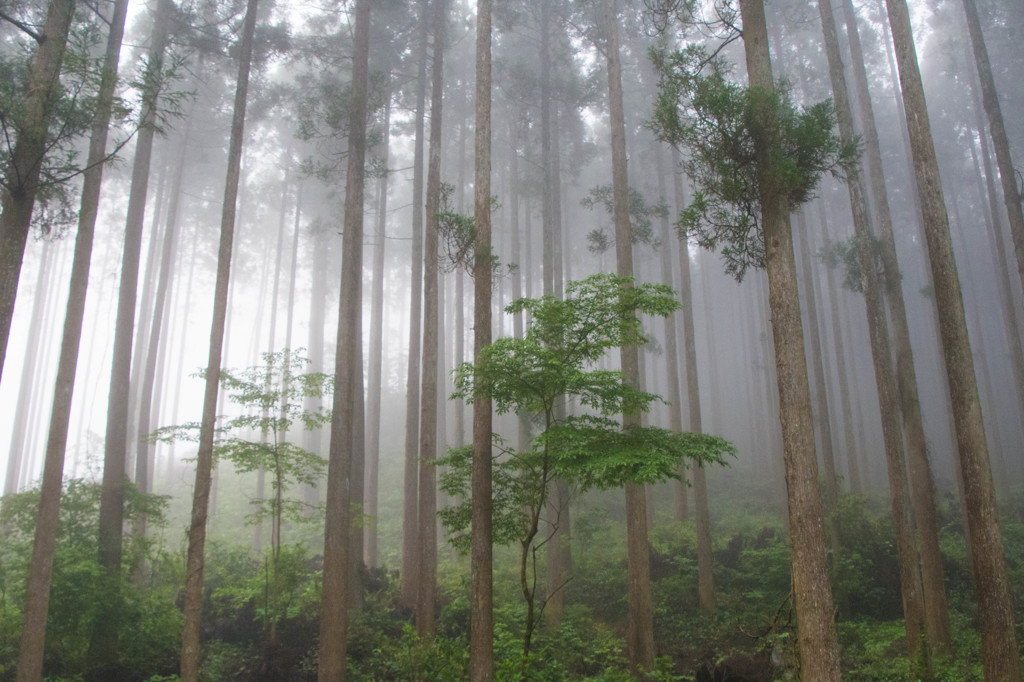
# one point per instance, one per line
(104, 643)
(1010, 320)
(820, 390)
(852, 459)
(427, 515)
(921, 485)
(204, 459)
(412, 385)
(347, 374)
(990, 97)
(374, 383)
(37, 590)
(481, 634)
(819, 649)
(144, 453)
(1000, 655)
(641, 608)
(17, 455)
(681, 487)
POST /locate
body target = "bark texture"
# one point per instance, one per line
(481, 633)
(1000, 655)
(640, 641)
(37, 590)
(818, 646)
(427, 584)
(194, 562)
(347, 375)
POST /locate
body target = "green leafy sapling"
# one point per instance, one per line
(535, 375)
(274, 399)
(717, 121)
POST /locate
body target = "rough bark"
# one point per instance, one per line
(818, 647)
(347, 374)
(999, 642)
(640, 641)
(427, 516)
(412, 384)
(37, 590)
(921, 485)
(104, 642)
(204, 458)
(481, 633)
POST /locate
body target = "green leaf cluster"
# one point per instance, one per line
(536, 374)
(722, 125)
(641, 218)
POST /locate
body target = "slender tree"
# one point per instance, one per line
(641, 607)
(194, 562)
(347, 375)
(373, 383)
(103, 646)
(818, 646)
(412, 385)
(481, 633)
(427, 515)
(1000, 655)
(921, 486)
(37, 591)
(1004, 160)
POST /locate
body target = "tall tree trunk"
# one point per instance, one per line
(824, 418)
(204, 459)
(374, 383)
(921, 485)
(347, 374)
(21, 174)
(819, 649)
(1014, 343)
(641, 608)
(681, 488)
(18, 453)
(313, 441)
(144, 452)
(852, 458)
(481, 633)
(104, 643)
(916, 594)
(427, 516)
(412, 385)
(990, 97)
(37, 590)
(999, 642)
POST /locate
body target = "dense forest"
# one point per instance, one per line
(546, 340)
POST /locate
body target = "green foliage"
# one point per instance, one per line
(274, 397)
(457, 237)
(641, 216)
(846, 255)
(722, 125)
(149, 611)
(533, 376)
(552, 362)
